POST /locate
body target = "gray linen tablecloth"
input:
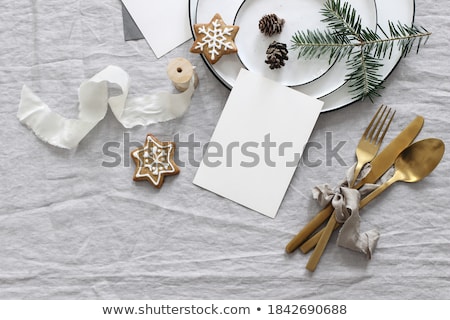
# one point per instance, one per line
(73, 226)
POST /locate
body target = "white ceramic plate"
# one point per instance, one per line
(330, 87)
(252, 44)
(228, 67)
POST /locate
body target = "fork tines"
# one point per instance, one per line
(372, 132)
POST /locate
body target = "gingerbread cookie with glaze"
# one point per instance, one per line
(154, 160)
(214, 39)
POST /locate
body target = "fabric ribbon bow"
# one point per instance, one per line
(345, 202)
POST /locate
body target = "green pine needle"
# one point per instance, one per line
(363, 78)
(362, 48)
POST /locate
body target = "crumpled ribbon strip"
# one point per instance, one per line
(94, 98)
(345, 202)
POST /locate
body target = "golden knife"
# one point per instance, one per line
(379, 165)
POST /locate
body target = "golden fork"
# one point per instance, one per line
(370, 142)
(366, 150)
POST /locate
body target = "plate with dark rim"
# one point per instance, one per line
(330, 87)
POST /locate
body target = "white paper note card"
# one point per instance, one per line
(258, 142)
(164, 24)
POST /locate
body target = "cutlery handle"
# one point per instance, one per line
(321, 217)
(308, 245)
(312, 242)
(375, 193)
(316, 222)
(321, 244)
(309, 228)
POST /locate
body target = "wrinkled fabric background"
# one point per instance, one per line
(73, 224)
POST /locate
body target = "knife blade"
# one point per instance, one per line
(379, 166)
(381, 163)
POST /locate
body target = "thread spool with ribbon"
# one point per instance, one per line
(94, 99)
(180, 71)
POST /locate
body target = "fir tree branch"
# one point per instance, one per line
(363, 77)
(314, 44)
(362, 48)
(342, 19)
(407, 35)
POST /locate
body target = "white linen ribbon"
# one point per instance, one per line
(94, 98)
(345, 202)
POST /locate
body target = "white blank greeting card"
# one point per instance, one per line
(164, 24)
(257, 144)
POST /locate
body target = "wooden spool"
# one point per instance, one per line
(180, 72)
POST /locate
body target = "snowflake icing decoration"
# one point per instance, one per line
(154, 161)
(214, 39)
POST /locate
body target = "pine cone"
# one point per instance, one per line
(276, 54)
(271, 24)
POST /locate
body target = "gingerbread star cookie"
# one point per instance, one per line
(154, 161)
(214, 39)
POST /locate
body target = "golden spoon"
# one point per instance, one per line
(412, 165)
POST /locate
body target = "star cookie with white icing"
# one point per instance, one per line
(214, 39)
(154, 161)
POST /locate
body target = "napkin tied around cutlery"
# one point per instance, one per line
(346, 201)
(94, 97)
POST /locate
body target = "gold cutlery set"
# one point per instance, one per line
(411, 162)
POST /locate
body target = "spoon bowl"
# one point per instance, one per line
(419, 159)
(413, 164)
